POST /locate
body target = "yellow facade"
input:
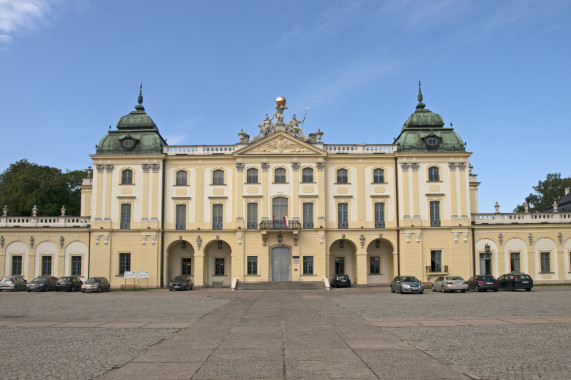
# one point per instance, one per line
(216, 212)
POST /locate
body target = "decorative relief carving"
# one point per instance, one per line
(109, 168)
(455, 234)
(265, 166)
(295, 166)
(281, 145)
(146, 168)
(452, 166)
(414, 167)
(240, 167)
(404, 166)
(418, 235)
(156, 167)
(465, 236)
(99, 167)
(320, 165)
(462, 167)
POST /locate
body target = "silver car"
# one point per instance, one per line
(407, 284)
(13, 283)
(449, 284)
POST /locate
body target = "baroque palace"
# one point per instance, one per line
(284, 206)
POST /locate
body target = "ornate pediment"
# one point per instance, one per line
(280, 143)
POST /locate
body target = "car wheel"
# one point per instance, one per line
(528, 290)
(72, 289)
(463, 290)
(170, 290)
(495, 290)
(99, 290)
(433, 288)
(477, 288)
(509, 286)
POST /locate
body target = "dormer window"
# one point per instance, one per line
(127, 177)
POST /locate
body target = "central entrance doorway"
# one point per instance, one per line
(280, 264)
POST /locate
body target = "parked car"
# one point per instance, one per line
(182, 282)
(95, 284)
(450, 284)
(340, 280)
(483, 282)
(13, 283)
(407, 284)
(513, 281)
(42, 284)
(69, 283)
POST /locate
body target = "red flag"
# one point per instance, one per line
(285, 221)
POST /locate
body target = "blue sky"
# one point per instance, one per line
(498, 70)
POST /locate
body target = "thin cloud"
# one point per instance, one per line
(20, 16)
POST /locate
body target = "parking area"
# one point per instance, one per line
(503, 335)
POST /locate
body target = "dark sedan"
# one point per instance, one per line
(183, 282)
(69, 283)
(42, 284)
(481, 283)
(340, 280)
(513, 281)
(407, 284)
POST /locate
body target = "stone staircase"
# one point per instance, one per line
(313, 285)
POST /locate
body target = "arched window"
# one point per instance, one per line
(181, 178)
(378, 176)
(342, 176)
(252, 176)
(127, 177)
(280, 175)
(433, 174)
(218, 177)
(307, 175)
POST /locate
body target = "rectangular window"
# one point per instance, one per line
(217, 217)
(545, 262)
(342, 176)
(280, 175)
(219, 266)
(342, 218)
(185, 267)
(379, 215)
(339, 265)
(16, 265)
(252, 222)
(125, 216)
(252, 265)
(46, 265)
(514, 262)
(252, 176)
(485, 263)
(374, 265)
(436, 261)
(308, 215)
(307, 175)
(180, 223)
(76, 265)
(307, 264)
(435, 214)
(124, 263)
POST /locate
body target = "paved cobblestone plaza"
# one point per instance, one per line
(348, 333)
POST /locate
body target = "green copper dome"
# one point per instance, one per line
(424, 132)
(136, 133)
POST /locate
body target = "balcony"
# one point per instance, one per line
(307, 224)
(379, 224)
(435, 223)
(252, 225)
(437, 269)
(216, 226)
(279, 225)
(342, 225)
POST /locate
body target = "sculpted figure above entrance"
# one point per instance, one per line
(292, 127)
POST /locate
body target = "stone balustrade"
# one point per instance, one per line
(360, 148)
(198, 150)
(44, 221)
(525, 218)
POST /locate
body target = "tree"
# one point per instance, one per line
(546, 192)
(26, 184)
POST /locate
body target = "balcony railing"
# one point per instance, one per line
(216, 226)
(280, 225)
(307, 224)
(44, 221)
(343, 225)
(379, 224)
(437, 269)
(435, 223)
(252, 225)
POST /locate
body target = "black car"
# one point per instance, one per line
(69, 283)
(340, 280)
(407, 284)
(513, 281)
(182, 282)
(42, 284)
(481, 283)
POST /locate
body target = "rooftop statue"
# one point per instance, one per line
(292, 127)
